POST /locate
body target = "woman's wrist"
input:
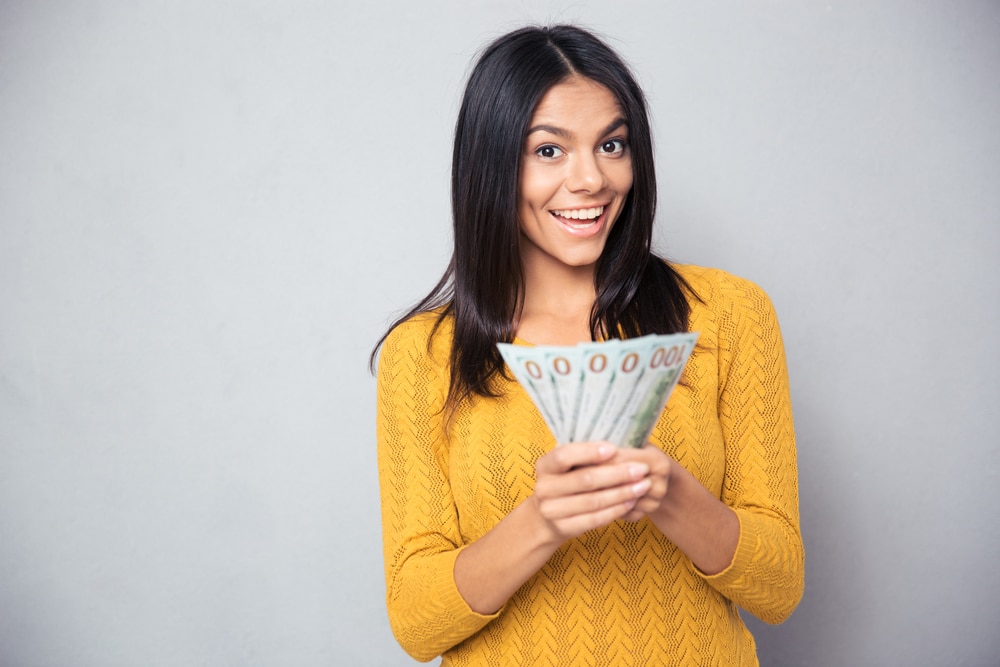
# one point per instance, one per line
(493, 567)
(702, 526)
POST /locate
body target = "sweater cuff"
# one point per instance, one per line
(452, 598)
(746, 547)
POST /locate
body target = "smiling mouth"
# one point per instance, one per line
(579, 218)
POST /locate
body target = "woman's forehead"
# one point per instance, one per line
(575, 104)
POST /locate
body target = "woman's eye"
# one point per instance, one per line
(614, 146)
(549, 152)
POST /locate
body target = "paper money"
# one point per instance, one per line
(613, 390)
(599, 362)
(564, 366)
(526, 365)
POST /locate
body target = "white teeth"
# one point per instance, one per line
(580, 213)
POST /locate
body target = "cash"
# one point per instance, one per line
(614, 390)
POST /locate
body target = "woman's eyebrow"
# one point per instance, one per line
(558, 131)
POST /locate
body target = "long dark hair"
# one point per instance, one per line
(637, 292)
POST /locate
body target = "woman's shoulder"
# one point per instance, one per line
(413, 366)
(429, 331)
(724, 305)
(720, 290)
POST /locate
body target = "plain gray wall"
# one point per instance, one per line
(209, 211)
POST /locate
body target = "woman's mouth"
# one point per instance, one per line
(580, 219)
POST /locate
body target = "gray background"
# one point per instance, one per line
(209, 211)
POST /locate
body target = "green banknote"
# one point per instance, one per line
(612, 390)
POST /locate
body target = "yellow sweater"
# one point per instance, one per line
(622, 594)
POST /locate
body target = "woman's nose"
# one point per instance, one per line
(585, 174)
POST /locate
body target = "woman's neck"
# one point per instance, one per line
(557, 304)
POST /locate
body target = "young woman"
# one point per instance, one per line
(502, 548)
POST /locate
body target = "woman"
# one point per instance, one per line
(501, 548)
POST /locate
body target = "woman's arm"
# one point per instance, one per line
(577, 488)
(420, 531)
(747, 543)
(440, 590)
(699, 524)
(767, 574)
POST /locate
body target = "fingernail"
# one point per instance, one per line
(640, 488)
(637, 470)
(605, 450)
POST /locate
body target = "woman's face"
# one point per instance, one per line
(576, 172)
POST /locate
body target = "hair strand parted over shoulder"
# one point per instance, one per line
(637, 292)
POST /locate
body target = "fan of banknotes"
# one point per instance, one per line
(613, 390)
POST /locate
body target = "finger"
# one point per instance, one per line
(595, 502)
(634, 514)
(573, 454)
(657, 460)
(581, 523)
(652, 499)
(589, 478)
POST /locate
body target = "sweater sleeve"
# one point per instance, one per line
(420, 531)
(767, 574)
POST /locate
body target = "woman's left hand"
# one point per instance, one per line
(660, 468)
(697, 522)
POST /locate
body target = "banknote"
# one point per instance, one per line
(663, 370)
(564, 367)
(628, 370)
(526, 365)
(599, 362)
(612, 390)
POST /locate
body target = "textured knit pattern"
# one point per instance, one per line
(622, 594)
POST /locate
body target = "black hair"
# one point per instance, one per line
(482, 288)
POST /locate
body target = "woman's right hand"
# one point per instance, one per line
(578, 489)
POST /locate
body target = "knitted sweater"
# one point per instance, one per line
(618, 595)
